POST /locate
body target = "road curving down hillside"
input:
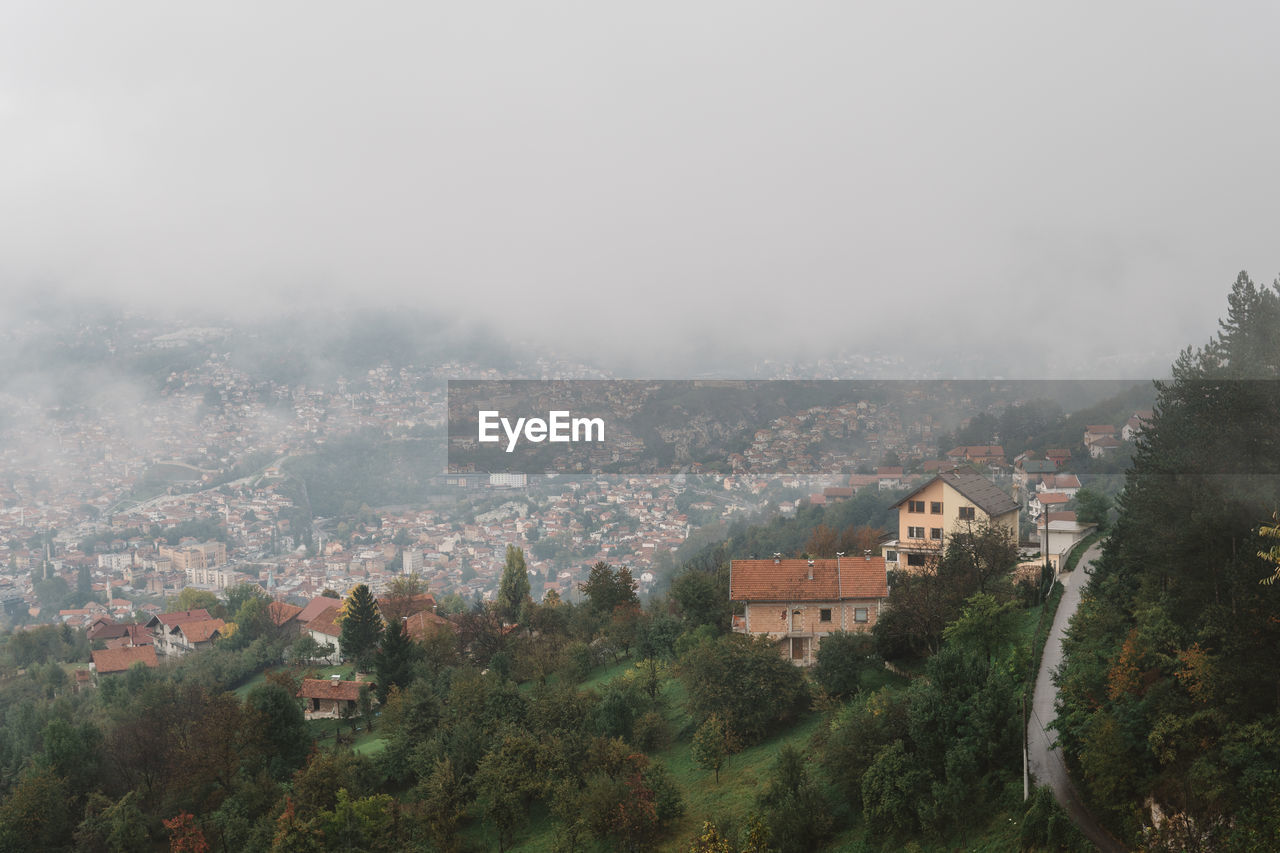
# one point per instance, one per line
(1045, 759)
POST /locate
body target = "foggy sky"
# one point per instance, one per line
(665, 179)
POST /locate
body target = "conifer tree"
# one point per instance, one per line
(394, 660)
(361, 626)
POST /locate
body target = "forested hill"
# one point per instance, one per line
(1170, 703)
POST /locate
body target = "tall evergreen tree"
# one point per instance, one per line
(1173, 661)
(361, 626)
(514, 588)
(394, 661)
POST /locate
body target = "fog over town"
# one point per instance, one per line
(912, 350)
(668, 190)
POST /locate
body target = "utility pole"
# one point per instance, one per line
(1026, 771)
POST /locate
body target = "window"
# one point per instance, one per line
(824, 615)
(915, 506)
(936, 507)
(891, 556)
(935, 533)
(859, 614)
(966, 513)
(916, 560)
(915, 532)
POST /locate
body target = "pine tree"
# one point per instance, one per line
(393, 663)
(361, 626)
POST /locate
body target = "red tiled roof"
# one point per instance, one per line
(324, 688)
(281, 612)
(198, 632)
(119, 660)
(178, 617)
(424, 623)
(1053, 498)
(316, 606)
(788, 580)
(105, 629)
(327, 621)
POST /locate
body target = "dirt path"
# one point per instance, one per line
(1046, 760)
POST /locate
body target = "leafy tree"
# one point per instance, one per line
(304, 650)
(279, 727)
(713, 743)
(857, 539)
(73, 751)
(513, 589)
(985, 626)
(34, 815)
(792, 806)
(361, 626)
(892, 786)
(922, 603)
(240, 594)
(444, 806)
(823, 542)
(506, 780)
(315, 787)
(841, 659)
(746, 681)
(703, 597)
(113, 825)
(196, 599)
(607, 588)
(399, 601)
(1092, 508)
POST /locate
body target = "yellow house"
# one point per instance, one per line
(953, 500)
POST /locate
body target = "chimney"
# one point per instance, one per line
(811, 570)
(866, 555)
(335, 677)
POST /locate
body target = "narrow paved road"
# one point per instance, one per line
(1047, 766)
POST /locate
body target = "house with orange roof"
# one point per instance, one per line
(162, 626)
(195, 635)
(329, 697)
(425, 624)
(1067, 484)
(798, 602)
(1047, 501)
(1095, 432)
(283, 614)
(326, 628)
(109, 661)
